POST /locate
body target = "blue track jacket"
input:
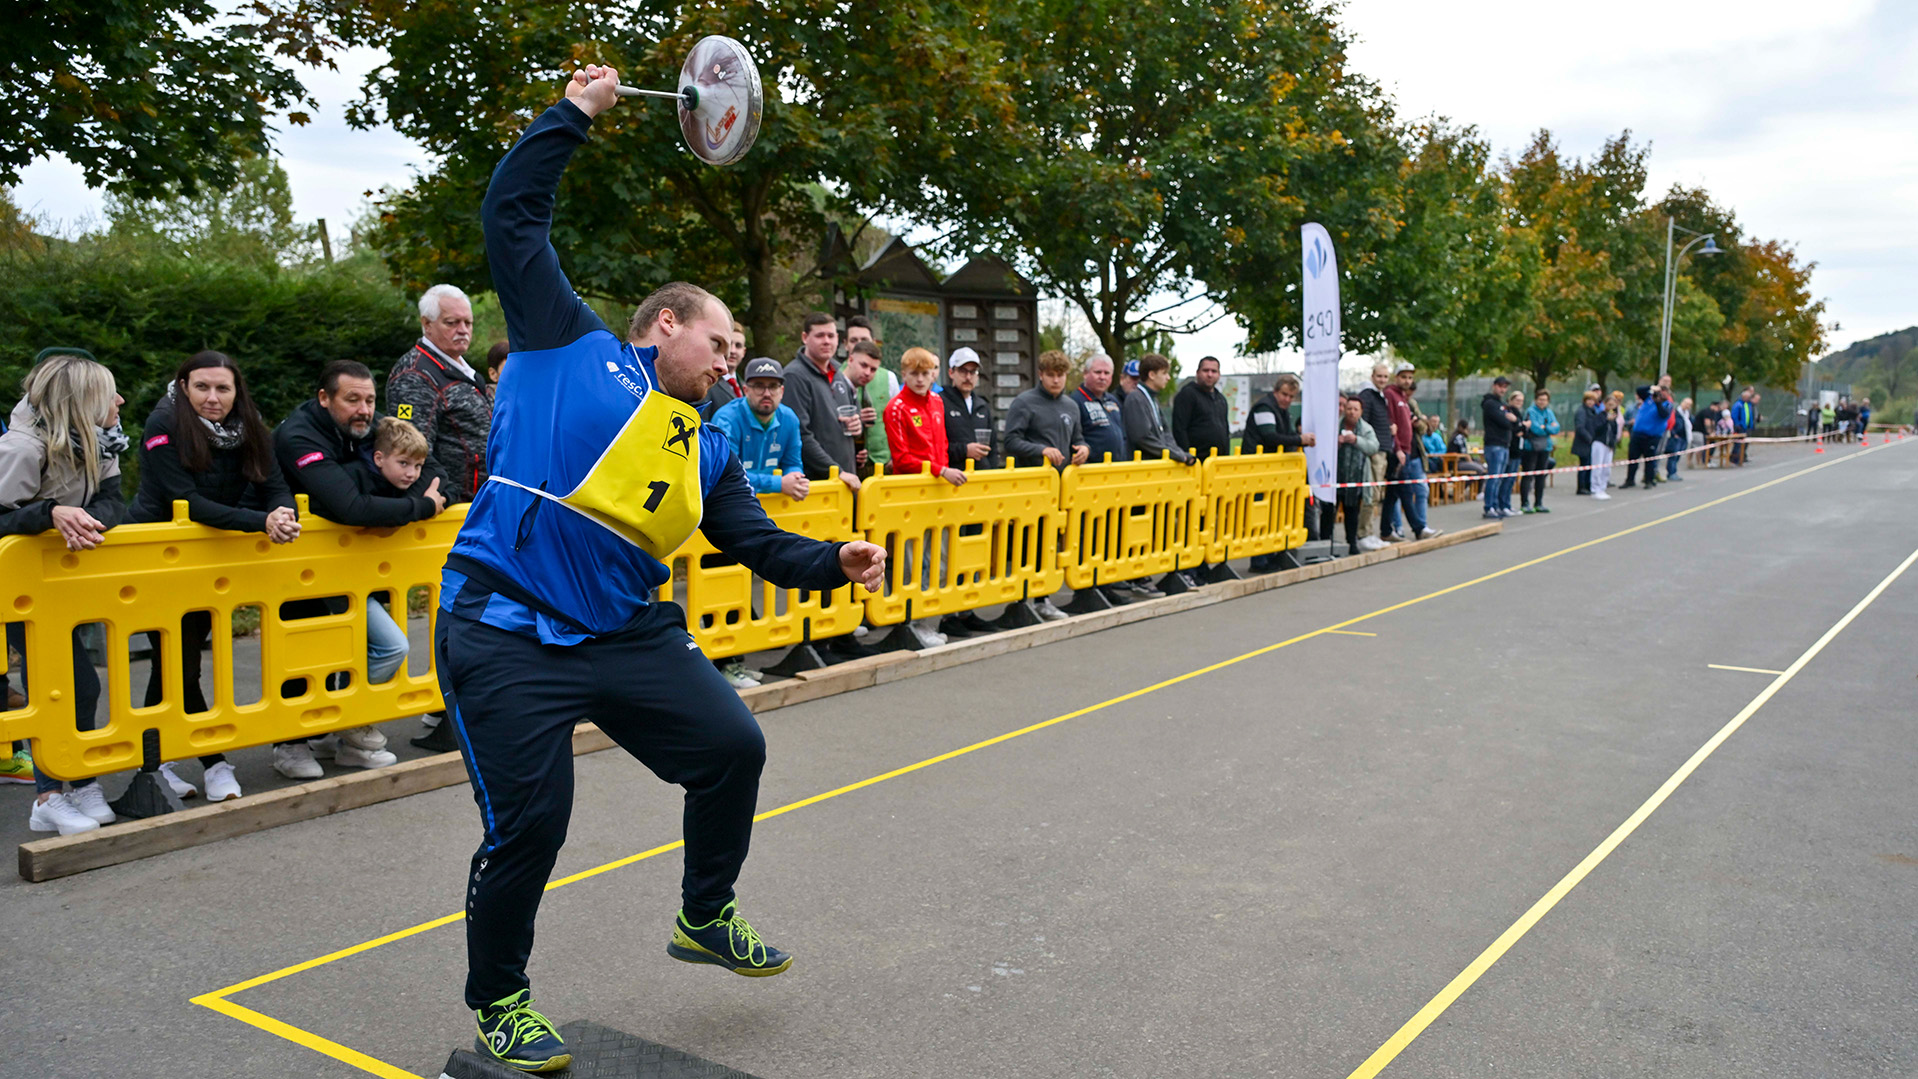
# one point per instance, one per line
(595, 478)
(765, 451)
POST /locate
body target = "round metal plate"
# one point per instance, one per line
(722, 127)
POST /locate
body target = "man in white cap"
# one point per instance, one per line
(970, 432)
(970, 436)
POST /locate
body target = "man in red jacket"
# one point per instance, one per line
(916, 438)
(916, 424)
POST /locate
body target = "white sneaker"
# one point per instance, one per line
(1430, 532)
(738, 676)
(92, 801)
(355, 757)
(1601, 496)
(221, 784)
(57, 814)
(368, 738)
(1048, 612)
(1371, 543)
(295, 761)
(181, 788)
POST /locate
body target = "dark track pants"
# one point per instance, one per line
(1642, 448)
(513, 703)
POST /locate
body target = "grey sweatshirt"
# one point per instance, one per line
(1145, 428)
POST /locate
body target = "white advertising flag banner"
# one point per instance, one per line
(1319, 408)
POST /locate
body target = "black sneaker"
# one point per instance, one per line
(438, 738)
(952, 626)
(727, 941)
(511, 1032)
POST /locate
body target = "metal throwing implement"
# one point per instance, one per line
(720, 100)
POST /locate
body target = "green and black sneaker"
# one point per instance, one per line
(726, 941)
(511, 1032)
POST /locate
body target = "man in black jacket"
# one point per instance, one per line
(1199, 413)
(433, 388)
(1270, 425)
(1498, 423)
(314, 446)
(316, 442)
(1377, 413)
(969, 412)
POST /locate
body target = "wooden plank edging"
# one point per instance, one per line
(61, 856)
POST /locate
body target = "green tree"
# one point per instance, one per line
(1459, 274)
(1120, 183)
(866, 104)
(1771, 323)
(150, 97)
(1697, 335)
(1584, 217)
(249, 221)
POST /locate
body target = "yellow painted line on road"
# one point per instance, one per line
(342, 1053)
(1352, 632)
(1747, 670)
(217, 999)
(1453, 990)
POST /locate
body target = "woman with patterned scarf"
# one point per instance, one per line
(60, 469)
(206, 445)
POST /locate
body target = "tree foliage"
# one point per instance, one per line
(867, 103)
(1460, 275)
(1696, 325)
(249, 221)
(151, 97)
(1172, 148)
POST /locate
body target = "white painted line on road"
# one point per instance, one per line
(1747, 670)
(1453, 990)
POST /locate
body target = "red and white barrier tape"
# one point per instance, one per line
(1708, 448)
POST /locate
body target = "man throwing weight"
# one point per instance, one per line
(600, 468)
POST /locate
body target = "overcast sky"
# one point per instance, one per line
(1802, 117)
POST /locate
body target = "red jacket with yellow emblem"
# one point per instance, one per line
(916, 432)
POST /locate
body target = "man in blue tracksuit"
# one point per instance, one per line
(599, 469)
(764, 433)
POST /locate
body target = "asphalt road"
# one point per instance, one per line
(1262, 869)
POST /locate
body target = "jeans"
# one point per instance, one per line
(1585, 471)
(1410, 495)
(1498, 485)
(386, 645)
(1676, 447)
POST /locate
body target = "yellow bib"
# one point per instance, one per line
(646, 486)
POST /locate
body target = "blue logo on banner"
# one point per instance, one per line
(1324, 478)
(1316, 258)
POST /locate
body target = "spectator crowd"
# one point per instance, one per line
(833, 410)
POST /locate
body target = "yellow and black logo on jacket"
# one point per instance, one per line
(646, 486)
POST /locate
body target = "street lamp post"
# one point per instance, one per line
(1671, 283)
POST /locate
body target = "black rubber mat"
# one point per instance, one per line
(600, 1053)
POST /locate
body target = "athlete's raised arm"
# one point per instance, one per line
(541, 309)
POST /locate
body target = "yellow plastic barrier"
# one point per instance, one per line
(1255, 504)
(993, 540)
(731, 613)
(1129, 519)
(145, 577)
